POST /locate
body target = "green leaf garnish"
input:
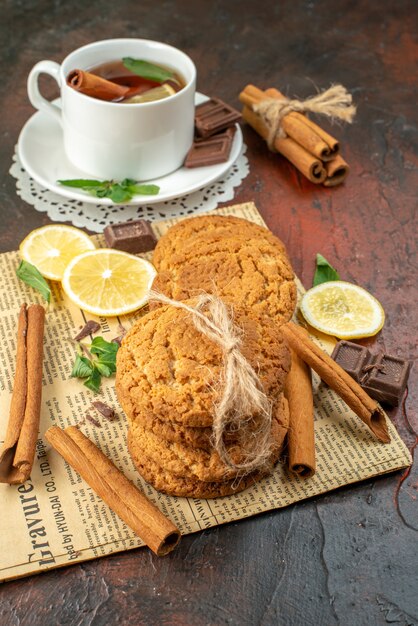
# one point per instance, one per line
(103, 369)
(104, 363)
(82, 183)
(32, 277)
(82, 367)
(145, 190)
(118, 192)
(106, 351)
(94, 380)
(324, 271)
(148, 70)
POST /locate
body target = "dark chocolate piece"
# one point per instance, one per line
(134, 237)
(386, 379)
(104, 410)
(117, 340)
(213, 116)
(90, 328)
(352, 357)
(93, 420)
(383, 377)
(210, 151)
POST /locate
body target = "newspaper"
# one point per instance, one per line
(55, 519)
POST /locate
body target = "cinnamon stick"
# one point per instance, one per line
(96, 86)
(337, 171)
(18, 452)
(306, 163)
(346, 387)
(301, 435)
(132, 506)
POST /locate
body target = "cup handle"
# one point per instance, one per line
(35, 97)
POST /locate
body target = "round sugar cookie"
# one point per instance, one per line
(167, 369)
(249, 274)
(189, 231)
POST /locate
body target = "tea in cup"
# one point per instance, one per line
(139, 133)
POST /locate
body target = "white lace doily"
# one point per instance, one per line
(96, 217)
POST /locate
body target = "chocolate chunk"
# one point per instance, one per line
(94, 421)
(104, 410)
(210, 151)
(383, 377)
(352, 357)
(118, 339)
(134, 237)
(386, 379)
(213, 116)
(90, 328)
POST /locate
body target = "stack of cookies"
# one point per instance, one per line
(169, 373)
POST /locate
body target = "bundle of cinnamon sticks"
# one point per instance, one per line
(314, 152)
(18, 451)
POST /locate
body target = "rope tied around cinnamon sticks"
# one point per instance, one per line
(335, 103)
(242, 396)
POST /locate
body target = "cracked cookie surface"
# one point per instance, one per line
(167, 369)
(238, 270)
(188, 231)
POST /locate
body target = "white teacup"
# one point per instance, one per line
(113, 140)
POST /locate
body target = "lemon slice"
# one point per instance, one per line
(108, 282)
(157, 93)
(343, 310)
(52, 247)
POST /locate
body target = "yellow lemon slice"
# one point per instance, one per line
(108, 282)
(52, 247)
(343, 310)
(157, 93)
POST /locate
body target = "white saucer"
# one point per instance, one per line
(41, 152)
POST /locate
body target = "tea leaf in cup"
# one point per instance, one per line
(148, 70)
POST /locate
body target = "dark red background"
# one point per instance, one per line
(349, 557)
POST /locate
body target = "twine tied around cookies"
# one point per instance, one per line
(242, 396)
(335, 103)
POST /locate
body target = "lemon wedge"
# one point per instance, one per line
(108, 282)
(157, 93)
(343, 310)
(50, 248)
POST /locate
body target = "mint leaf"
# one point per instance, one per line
(82, 183)
(148, 70)
(117, 192)
(104, 364)
(144, 190)
(32, 277)
(324, 271)
(94, 380)
(104, 369)
(102, 347)
(82, 367)
(106, 351)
